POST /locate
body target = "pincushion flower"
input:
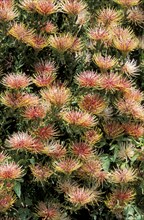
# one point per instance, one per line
(113, 129)
(10, 171)
(3, 157)
(123, 176)
(28, 5)
(104, 63)
(135, 130)
(38, 42)
(16, 81)
(43, 79)
(67, 165)
(127, 151)
(19, 100)
(82, 150)
(127, 3)
(78, 118)
(134, 94)
(7, 199)
(93, 103)
(130, 68)
(21, 32)
(45, 132)
(45, 7)
(34, 112)
(135, 15)
(20, 141)
(80, 196)
(92, 137)
(41, 172)
(58, 95)
(119, 198)
(99, 34)
(88, 79)
(110, 82)
(45, 67)
(72, 7)
(54, 150)
(50, 28)
(109, 17)
(7, 11)
(82, 18)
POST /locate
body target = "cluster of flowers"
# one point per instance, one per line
(108, 106)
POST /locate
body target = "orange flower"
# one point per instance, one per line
(88, 79)
(45, 7)
(20, 32)
(82, 150)
(41, 173)
(7, 11)
(58, 95)
(99, 34)
(38, 42)
(104, 63)
(135, 130)
(20, 141)
(34, 112)
(130, 68)
(16, 81)
(134, 94)
(50, 28)
(3, 157)
(109, 17)
(92, 103)
(10, 171)
(113, 129)
(54, 150)
(110, 82)
(127, 3)
(7, 199)
(45, 132)
(124, 175)
(19, 100)
(80, 196)
(92, 137)
(118, 199)
(73, 7)
(135, 15)
(78, 118)
(67, 165)
(45, 67)
(28, 5)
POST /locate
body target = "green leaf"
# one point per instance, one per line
(17, 189)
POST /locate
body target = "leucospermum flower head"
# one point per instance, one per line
(78, 118)
(127, 151)
(134, 94)
(45, 67)
(67, 165)
(3, 157)
(135, 130)
(113, 129)
(130, 68)
(127, 3)
(73, 7)
(38, 42)
(7, 11)
(92, 103)
(109, 17)
(50, 28)
(99, 34)
(34, 112)
(16, 81)
(58, 95)
(119, 198)
(110, 82)
(80, 196)
(7, 199)
(92, 136)
(28, 5)
(18, 100)
(41, 172)
(45, 7)
(54, 149)
(135, 15)
(82, 150)
(104, 63)
(10, 171)
(88, 79)
(123, 176)
(45, 132)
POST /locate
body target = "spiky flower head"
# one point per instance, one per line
(58, 95)
(134, 94)
(99, 34)
(45, 7)
(135, 130)
(7, 199)
(113, 129)
(78, 118)
(54, 149)
(118, 199)
(110, 82)
(10, 171)
(45, 132)
(127, 3)
(135, 15)
(45, 67)
(50, 28)
(21, 32)
(130, 68)
(41, 172)
(19, 100)
(16, 81)
(81, 196)
(82, 18)
(7, 11)
(88, 79)
(109, 17)
(93, 103)
(72, 7)
(28, 5)
(104, 63)
(123, 175)
(67, 165)
(38, 42)
(92, 136)
(3, 157)
(82, 150)
(127, 151)
(34, 112)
